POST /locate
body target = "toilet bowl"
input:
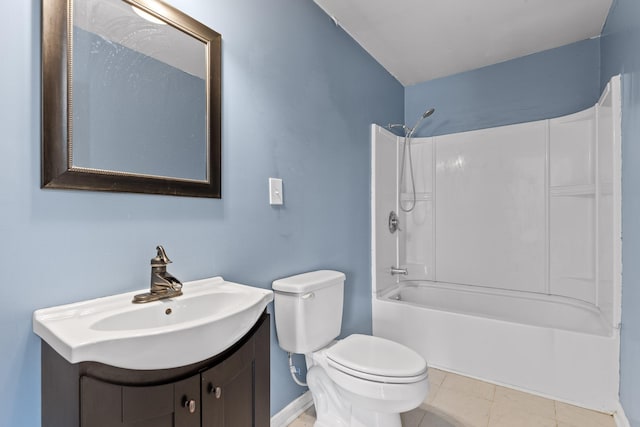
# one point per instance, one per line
(357, 381)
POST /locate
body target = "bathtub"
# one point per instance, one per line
(555, 347)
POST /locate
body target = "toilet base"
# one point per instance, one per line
(333, 410)
(367, 420)
(363, 418)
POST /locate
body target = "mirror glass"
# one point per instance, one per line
(131, 98)
(139, 93)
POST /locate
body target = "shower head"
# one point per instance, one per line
(426, 114)
(429, 112)
(409, 131)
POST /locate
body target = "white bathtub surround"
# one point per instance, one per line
(512, 253)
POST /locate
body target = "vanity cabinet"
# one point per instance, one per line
(230, 389)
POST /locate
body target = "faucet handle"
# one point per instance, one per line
(161, 258)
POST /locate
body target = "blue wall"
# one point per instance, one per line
(298, 98)
(621, 55)
(540, 86)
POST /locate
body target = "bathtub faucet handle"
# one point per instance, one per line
(394, 222)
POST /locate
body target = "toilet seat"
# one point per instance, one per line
(374, 374)
(376, 359)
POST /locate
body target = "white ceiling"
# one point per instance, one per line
(419, 40)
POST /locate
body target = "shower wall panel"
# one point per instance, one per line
(384, 200)
(572, 245)
(608, 200)
(529, 208)
(523, 207)
(417, 252)
(490, 207)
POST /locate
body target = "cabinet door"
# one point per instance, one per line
(167, 405)
(187, 402)
(228, 392)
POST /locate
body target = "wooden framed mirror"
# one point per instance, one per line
(131, 99)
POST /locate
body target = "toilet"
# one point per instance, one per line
(358, 381)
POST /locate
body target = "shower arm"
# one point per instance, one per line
(398, 125)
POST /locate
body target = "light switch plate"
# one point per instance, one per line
(275, 191)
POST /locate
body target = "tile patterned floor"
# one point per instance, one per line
(458, 401)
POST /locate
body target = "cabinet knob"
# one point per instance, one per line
(217, 391)
(190, 404)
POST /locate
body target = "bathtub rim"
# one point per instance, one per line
(607, 330)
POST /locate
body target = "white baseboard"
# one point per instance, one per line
(292, 411)
(619, 417)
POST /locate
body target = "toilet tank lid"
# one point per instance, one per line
(307, 282)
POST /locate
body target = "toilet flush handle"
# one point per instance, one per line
(309, 295)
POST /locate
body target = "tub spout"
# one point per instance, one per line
(396, 270)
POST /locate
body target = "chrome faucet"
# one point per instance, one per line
(396, 270)
(163, 284)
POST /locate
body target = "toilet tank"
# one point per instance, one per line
(308, 310)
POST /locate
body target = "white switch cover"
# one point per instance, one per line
(275, 191)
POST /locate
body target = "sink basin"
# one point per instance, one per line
(210, 316)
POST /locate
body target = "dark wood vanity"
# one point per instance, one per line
(230, 389)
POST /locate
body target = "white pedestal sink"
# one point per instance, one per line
(210, 316)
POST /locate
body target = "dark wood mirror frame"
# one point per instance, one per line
(57, 170)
